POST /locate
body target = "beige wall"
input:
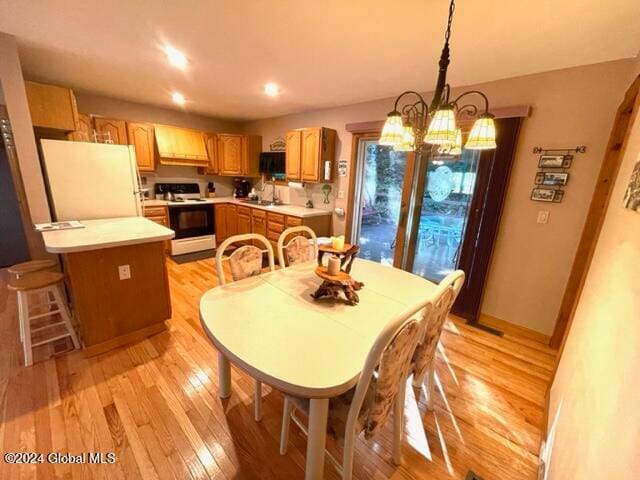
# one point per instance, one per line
(15, 97)
(531, 262)
(594, 419)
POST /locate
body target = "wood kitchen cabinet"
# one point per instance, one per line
(259, 222)
(84, 132)
(111, 128)
(141, 136)
(232, 220)
(307, 152)
(211, 141)
(160, 215)
(243, 220)
(239, 219)
(239, 155)
(181, 146)
(292, 154)
(230, 154)
(221, 223)
(52, 107)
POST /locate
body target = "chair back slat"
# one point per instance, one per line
(245, 261)
(435, 317)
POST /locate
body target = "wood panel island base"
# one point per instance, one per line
(110, 309)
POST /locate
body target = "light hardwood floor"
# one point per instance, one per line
(155, 405)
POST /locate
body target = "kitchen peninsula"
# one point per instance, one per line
(116, 277)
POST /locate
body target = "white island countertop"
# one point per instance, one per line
(287, 209)
(105, 233)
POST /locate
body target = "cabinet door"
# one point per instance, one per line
(52, 106)
(230, 154)
(258, 222)
(84, 133)
(244, 224)
(232, 220)
(143, 139)
(292, 155)
(251, 148)
(117, 129)
(211, 140)
(310, 154)
(221, 223)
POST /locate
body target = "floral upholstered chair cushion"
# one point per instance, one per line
(435, 317)
(298, 250)
(388, 378)
(245, 262)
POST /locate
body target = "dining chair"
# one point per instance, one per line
(366, 407)
(436, 313)
(299, 248)
(244, 262)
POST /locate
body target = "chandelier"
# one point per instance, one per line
(417, 126)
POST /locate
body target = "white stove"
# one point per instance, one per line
(192, 218)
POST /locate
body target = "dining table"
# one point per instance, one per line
(270, 327)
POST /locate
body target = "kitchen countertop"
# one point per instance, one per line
(105, 233)
(294, 210)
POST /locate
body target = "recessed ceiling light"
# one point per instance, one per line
(271, 89)
(175, 57)
(178, 98)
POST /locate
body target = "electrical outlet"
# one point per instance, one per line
(124, 272)
(543, 216)
(340, 193)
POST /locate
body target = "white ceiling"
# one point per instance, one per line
(322, 53)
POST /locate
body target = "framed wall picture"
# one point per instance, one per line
(543, 194)
(632, 194)
(551, 161)
(539, 178)
(559, 195)
(554, 179)
(566, 163)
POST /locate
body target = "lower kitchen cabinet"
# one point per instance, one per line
(221, 223)
(159, 215)
(238, 219)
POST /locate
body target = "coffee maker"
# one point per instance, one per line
(241, 188)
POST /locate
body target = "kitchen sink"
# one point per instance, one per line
(263, 203)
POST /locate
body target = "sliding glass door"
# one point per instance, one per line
(433, 213)
(380, 182)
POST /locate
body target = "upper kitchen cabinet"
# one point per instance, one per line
(292, 154)
(84, 132)
(141, 136)
(310, 154)
(239, 155)
(211, 141)
(111, 129)
(52, 107)
(181, 146)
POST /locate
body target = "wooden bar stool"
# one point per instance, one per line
(49, 283)
(20, 269)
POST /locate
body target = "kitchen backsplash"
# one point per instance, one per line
(224, 186)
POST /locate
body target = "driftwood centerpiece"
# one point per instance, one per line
(332, 285)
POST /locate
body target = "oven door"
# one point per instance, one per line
(191, 220)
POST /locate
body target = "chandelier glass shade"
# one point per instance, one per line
(442, 128)
(483, 134)
(393, 130)
(417, 126)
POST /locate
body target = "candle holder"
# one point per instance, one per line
(342, 282)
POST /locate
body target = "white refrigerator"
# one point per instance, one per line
(91, 180)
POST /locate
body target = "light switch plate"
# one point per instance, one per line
(124, 272)
(543, 216)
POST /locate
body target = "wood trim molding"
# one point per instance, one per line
(502, 112)
(625, 116)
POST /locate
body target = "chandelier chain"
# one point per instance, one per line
(452, 7)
